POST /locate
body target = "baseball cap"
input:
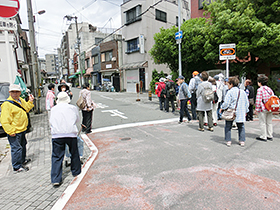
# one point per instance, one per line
(169, 77)
(14, 87)
(181, 77)
(195, 73)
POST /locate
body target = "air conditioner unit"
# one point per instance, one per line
(114, 59)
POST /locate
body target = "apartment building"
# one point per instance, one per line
(138, 36)
(51, 66)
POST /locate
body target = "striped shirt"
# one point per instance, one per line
(263, 94)
(242, 105)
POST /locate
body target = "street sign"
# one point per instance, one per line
(179, 35)
(10, 25)
(227, 51)
(9, 8)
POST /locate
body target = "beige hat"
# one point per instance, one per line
(63, 97)
(14, 87)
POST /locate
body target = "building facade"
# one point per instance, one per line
(138, 37)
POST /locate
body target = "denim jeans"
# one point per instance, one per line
(58, 151)
(241, 131)
(193, 106)
(184, 109)
(18, 149)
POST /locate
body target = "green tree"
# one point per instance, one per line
(165, 49)
(155, 78)
(253, 25)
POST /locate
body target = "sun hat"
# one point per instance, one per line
(181, 77)
(63, 97)
(161, 79)
(169, 77)
(60, 86)
(14, 87)
(195, 73)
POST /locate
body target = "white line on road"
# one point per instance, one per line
(107, 97)
(115, 113)
(64, 198)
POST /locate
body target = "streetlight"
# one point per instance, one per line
(34, 57)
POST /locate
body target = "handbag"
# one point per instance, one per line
(230, 114)
(81, 102)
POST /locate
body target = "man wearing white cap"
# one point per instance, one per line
(63, 119)
(14, 121)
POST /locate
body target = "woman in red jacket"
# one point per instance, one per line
(159, 92)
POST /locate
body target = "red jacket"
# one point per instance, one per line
(161, 86)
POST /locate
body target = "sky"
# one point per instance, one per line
(50, 26)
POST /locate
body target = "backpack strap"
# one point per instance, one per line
(237, 100)
(16, 104)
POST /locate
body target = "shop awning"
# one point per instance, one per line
(73, 76)
(88, 71)
(136, 65)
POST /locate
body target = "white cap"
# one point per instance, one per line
(63, 97)
(14, 87)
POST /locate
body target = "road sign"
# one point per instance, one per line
(9, 8)
(227, 51)
(179, 35)
(10, 25)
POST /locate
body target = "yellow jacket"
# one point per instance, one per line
(14, 119)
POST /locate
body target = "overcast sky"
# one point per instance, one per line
(50, 26)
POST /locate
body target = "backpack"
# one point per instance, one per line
(208, 94)
(273, 103)
(172, 90)
(197, 82)
(162, 92)
(81, 102)
(216, 98)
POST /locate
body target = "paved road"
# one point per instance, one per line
(171, 166)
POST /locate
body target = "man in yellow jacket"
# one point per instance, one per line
(14, 122)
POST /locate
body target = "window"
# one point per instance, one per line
(95, 59)
(132, 15)
(161, 16)
(88, 64)
(177, 20)
(133, 45)
(106, 56)
(200, 3)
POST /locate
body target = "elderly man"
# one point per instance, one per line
(193, 85)
(184, 95)
(14, 121)
(63, 119)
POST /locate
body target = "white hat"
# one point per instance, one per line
(63, 97)
(14, 87)
(161, 79)
(169, 77)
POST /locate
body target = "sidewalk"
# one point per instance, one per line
(33, 189)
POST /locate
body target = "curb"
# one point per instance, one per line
(64, 198)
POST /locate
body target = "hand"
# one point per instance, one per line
(31, 98)
(221, 111)
(13, 135)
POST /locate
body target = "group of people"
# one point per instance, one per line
(226, 93)
(63, 118)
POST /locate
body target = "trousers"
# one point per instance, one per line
(87, 120)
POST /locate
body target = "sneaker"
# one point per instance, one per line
(242, 143)
(211, 129)
(56, 184)
(260, 139)
(201, 129)
(26, 161)
(205, 124)
(229, 143)
(270, 138)
(180, 122)
(21, 169)
(215, 124)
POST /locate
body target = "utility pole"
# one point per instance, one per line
(179, 27)
(78, 43)
(34, 57)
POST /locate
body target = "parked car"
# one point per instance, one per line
(4, 94)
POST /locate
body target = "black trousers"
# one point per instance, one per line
(193, 106)
(184, 109)
(250, 114)
(167, 99)
(87, 120)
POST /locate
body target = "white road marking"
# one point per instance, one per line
(115, 113)
(64, 198)
(101, 106)
(107, 97)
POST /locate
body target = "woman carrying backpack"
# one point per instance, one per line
(265, 117)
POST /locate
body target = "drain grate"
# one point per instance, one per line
(126, 139)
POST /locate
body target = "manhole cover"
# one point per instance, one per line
(126, 139)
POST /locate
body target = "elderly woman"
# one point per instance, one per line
(236, 96)
(203, 106)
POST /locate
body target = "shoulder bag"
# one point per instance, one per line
(230, 114)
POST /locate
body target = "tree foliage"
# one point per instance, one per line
(254, 25)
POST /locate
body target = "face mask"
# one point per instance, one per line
(63, 89)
